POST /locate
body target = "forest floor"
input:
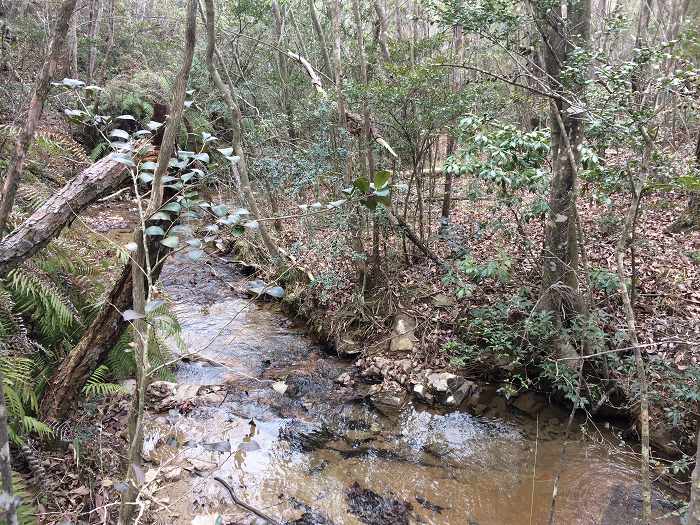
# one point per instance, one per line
(667, 297)
(667, 305)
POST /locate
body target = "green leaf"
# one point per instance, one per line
(153, 125)
(130, 315)
(154, 230)
(225, 151)
(381, 178)
(382, 193)
(72, 83)
(171, 242)
(127, 161)
(202, 157)
(361, 184)
(146, 177)
(119, 133)
(160, 216)
(220, 210)
(125, 117)
(174, 207)
(152, 305)
(150, 166)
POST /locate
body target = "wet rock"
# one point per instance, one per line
(218, 446)
(309, 516)
(374, 509)
(468, 389)
(262, 289)
(443, 388)
(387, 398)
(530, 403)
(432, 507)
(403, 338)
(421, 392)
(625, 505)
(304, 438)
(344, 379)
(346, 346)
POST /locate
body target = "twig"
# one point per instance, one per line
(260, 514)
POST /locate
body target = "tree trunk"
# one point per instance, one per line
(367, 133)
(623, 244)
(458, 44)
(694, 505)
(8, 502)
(321, 37)
(563, 33)
(283, 70)
(72, 51)
(236, 117)
(143, 273)
(36, 107)
(336, 9)
(59, 211)
(94, 31)
(383, 30)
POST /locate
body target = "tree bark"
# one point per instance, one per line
(622, 246)
(320, 35)
(143, 273)
(458, 40)
(36, 107)
(72, 51)
(383, 30)
(565, 32)
(367, 134)
(283, 70)
(336, 9)
(75, 369)
(694, 505)
(8, 502)
(94, 31)
(59, 211)
(236, 117)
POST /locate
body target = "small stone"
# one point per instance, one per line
(172, 474)
(280, 387)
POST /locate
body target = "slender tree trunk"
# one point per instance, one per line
(36, 107)
(236, 117)
(694, 505)
(320, 35)
(283, 70)
(367, 132)
(458, 45)
(72, 54)
(94, 31)
(622, 246)
(8, 502)
(565, 31)
(336, 9)
(142, 273)
(383, 30)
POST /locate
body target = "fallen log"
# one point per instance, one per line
(59, 211)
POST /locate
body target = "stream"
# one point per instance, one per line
(320, 454)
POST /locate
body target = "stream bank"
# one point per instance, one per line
(266, 408)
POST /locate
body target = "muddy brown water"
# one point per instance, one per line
(321, 454)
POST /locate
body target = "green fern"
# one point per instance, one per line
(98, 385)
(27, 512)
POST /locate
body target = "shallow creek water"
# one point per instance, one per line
(301, 451)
